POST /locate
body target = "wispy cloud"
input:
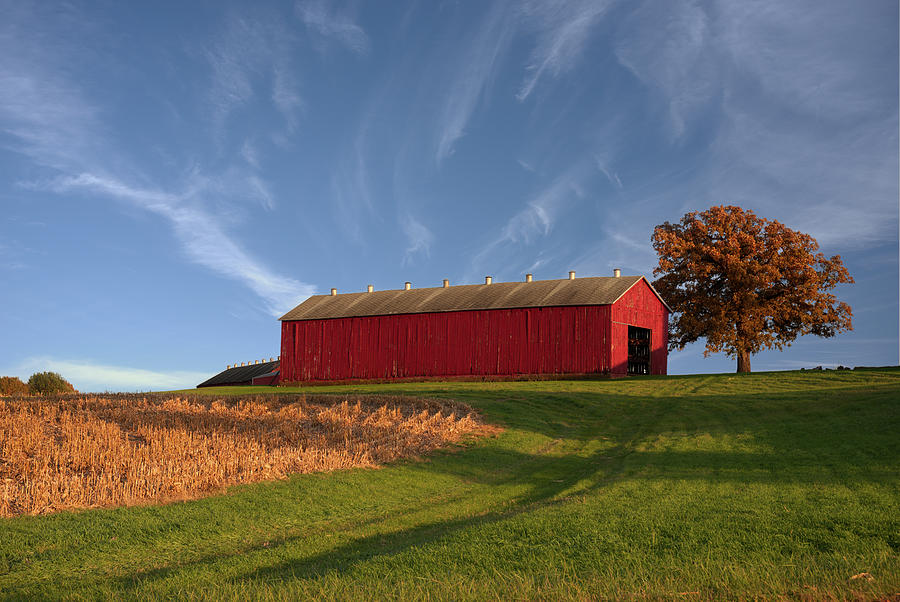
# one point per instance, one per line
(806, 178)
(666, 47)
(563, 31)
(89, 376)
(250, 153)
(351, 183)
(321, 17)
(526, 165)
(286, 96)
(49, 119)
(783, 91)
(815, 56)
(249, 56)
(537, 218)
(234, 59)
(43, 116)
(152, 200)
(821, 133)
(419, 237)
(475, 70)
(261, 191)
(603, 165)
(9, 258)
(204, 240)
(619, 245)
(539, 214)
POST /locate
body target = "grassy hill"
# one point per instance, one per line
(696, 487)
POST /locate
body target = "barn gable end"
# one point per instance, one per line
(640, 306)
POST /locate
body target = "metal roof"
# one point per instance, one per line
(240, 374)
(500, 295)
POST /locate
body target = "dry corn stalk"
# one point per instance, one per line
(86, 451)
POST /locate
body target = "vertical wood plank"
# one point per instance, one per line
(539, 340)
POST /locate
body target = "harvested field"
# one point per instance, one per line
(86, 451)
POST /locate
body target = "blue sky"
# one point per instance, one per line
(174, 176)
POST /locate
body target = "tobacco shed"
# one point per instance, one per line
(598, 325)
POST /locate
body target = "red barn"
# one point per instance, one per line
(581, 326)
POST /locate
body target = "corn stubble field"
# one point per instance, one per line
(86, 451)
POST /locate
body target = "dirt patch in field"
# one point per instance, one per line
(87, 451)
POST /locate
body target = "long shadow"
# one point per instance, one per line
(543, 493)
(561, 474)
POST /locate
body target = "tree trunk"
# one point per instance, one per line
(743, 358)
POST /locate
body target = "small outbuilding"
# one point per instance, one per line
(586, 326)
(253, 373)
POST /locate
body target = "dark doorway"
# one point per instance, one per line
(638, 350)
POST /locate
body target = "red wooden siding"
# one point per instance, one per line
(265, 379)
(640, 307)
(543, 340)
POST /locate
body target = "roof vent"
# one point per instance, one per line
(446, 283)
(334, 292)
(370, 288)
(571, 274)
(528, 277)
(488, 279)
(407, 285)
(617, 273)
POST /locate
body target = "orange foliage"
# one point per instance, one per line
(745, 283)
(84, 451)
(12, 385)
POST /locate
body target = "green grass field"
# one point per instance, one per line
(769, 485)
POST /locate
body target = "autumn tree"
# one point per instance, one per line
(46, 383)
(745, 283)
(12, 385)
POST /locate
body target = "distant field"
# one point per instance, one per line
(770, 485)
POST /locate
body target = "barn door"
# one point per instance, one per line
(638, 350)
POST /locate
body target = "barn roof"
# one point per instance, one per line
(240, 374)
(500, 295)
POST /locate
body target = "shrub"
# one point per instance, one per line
(42, 383)
(12, 385)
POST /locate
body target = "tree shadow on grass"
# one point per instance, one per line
(541, 492)
(548, 481)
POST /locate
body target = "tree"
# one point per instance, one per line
(12, 385)
(42, 383)
(745, 283)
